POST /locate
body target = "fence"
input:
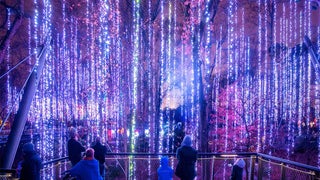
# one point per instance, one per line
(209, 166)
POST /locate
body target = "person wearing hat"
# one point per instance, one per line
(31, 163)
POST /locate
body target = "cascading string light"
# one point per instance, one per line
(301, 80)
(292, 84)
(265, 77)
(94, 122)
(135, 74)
(284, 72)
(11, 99)
(309, 64)
(191, 120)
(207, 65)
(35, 104)
(295, 116)
(151, 105)
(59, 126)
(230, 42)
(268, 86)
(73, 112)
(184, 71)
(169, 79)
(197, 118)
(120, 61)
(149, 94)
(47, 119)
(281, 73)
(288, 76)
(162, 81)
(207, 44)
(317, 102)
(260, 134)
(74, 72)
(118, 76)
(237, 62)
(175, 62)
(96, 131)
(59, 111)
(248, 80)
(100, 90)
(104, 53)
(174, 48)
(230, 61)
(218, 63)
(242, 68)
(182, 84)
(275, 73)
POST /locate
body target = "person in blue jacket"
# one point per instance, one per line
(165, 172)
(87, 168)
(31, 163)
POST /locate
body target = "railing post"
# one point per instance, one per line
(283, 172)
(253, 159)
(260, 169)
(212, 167)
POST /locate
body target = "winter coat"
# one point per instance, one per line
(31, 166)
(86, 170)
(187, 157)
(165, 172)
(237, 169)
(99, 152)
(74, 151)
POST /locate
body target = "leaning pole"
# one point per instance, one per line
(22, 113)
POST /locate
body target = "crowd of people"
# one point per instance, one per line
(91, 166)
(89, 163)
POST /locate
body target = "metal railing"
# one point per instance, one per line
(209, 166)
(7, 174)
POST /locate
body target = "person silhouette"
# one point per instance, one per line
(75, 148)
(237, 169)
(31, 163)
(165, 172)
(100, 152)
(187, 157)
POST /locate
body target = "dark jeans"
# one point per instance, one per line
(102, 171)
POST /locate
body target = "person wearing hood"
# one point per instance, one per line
(31, 163)
(187, 157)
(165, 172)
(87, 168)
(237, 169)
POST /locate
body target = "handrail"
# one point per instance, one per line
(7, 173)
(173, 154)
(265, 156)
(288, 162)
(11, 171)
(55, 161)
